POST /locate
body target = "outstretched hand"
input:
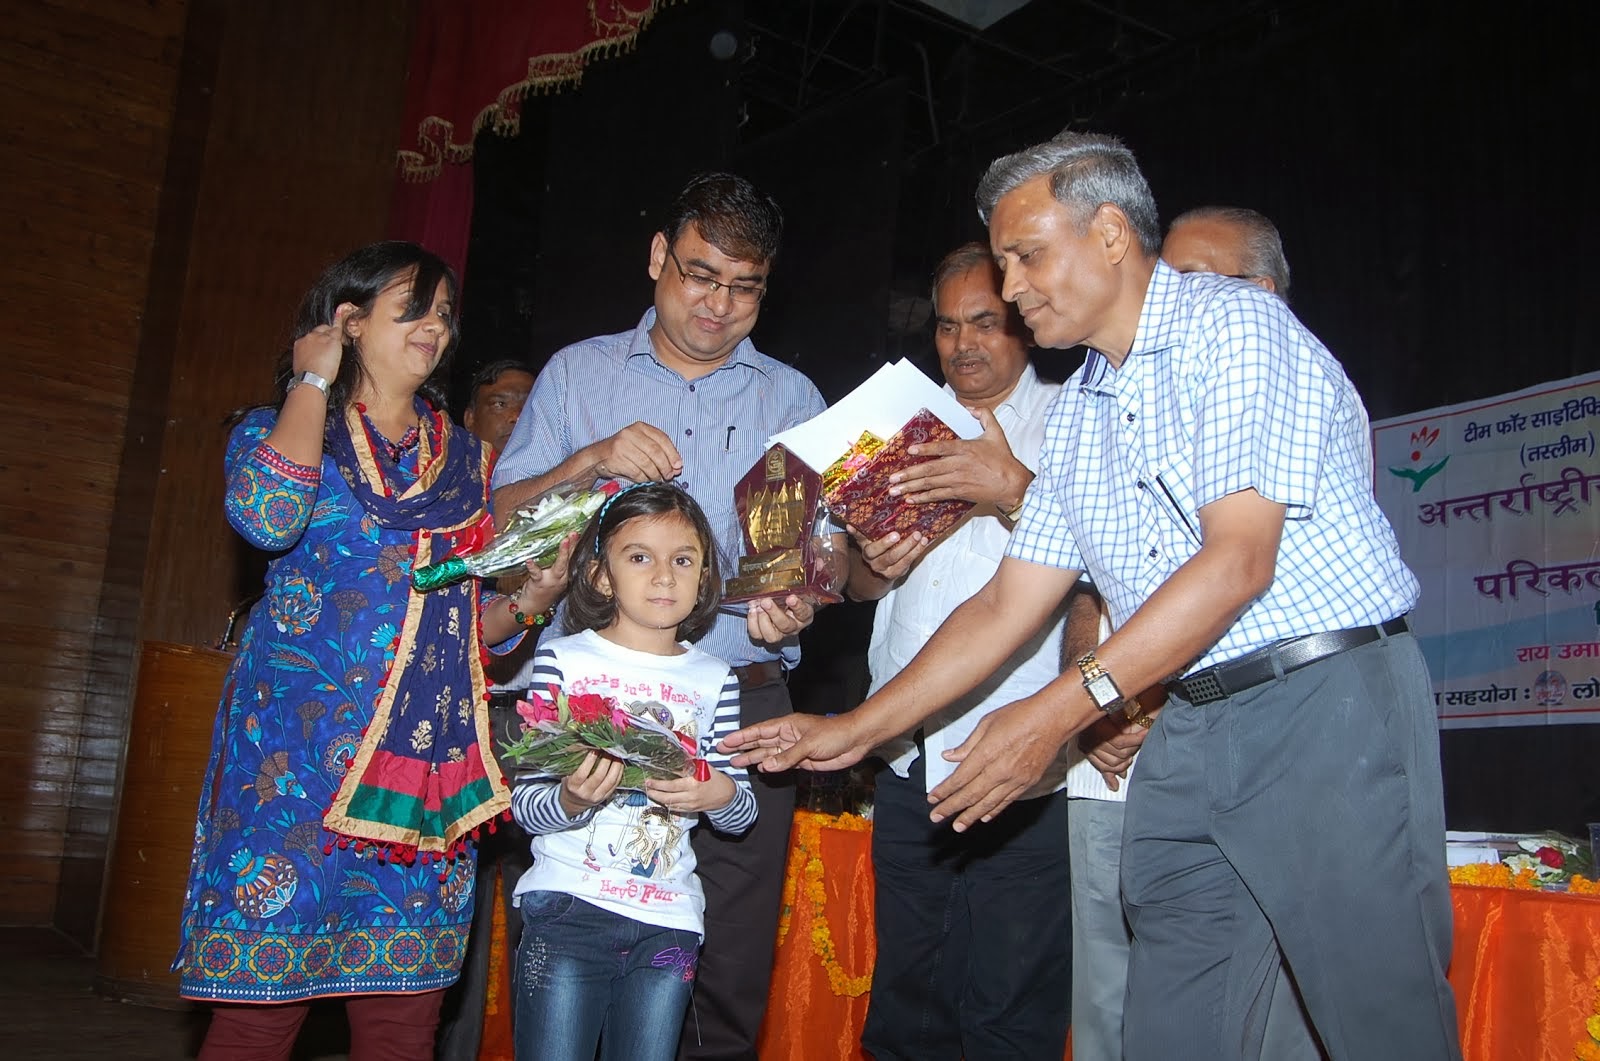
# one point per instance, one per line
(1006, 754)
(809, 742)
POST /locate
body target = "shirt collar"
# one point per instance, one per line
(1022, 396)
(1160, 328)
(744, 354)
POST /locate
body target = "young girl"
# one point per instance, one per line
(612, 910)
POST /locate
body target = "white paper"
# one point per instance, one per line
(890, 396)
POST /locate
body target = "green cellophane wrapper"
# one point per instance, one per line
(534, 533)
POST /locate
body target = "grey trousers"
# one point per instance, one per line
(1298, 823)
(1101, 942)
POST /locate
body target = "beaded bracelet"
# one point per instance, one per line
(529, 621)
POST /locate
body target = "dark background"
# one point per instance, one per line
(1429, 171)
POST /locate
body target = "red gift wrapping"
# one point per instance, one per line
(863, 500)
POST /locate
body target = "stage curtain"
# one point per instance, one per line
(472, 61)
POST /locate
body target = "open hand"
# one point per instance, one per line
(981, 470)
(771, 621)
(892, 555)
(810, 742)
(1006, 754)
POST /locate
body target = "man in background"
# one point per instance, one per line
(499, 391)
(1231, 241)
(974, 935)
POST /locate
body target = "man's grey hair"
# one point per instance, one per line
(1263, 246)
(1085, 170)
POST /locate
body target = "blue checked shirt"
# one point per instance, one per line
(720, 424)
(1223, 391)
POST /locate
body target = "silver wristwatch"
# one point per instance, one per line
(307, 377)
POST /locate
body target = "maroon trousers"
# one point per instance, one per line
(382, 1028)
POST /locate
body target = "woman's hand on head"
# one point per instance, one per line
(322, 348)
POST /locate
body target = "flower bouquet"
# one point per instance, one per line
(558, 732)
(1552, 858)
(534, 532)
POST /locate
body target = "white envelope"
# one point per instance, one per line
(882, 405)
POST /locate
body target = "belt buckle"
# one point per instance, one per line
(1203, 688)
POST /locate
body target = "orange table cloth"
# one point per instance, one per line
(1526, 967)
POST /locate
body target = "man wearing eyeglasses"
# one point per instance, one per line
(686, 396)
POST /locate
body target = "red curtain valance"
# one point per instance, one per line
(472, 61)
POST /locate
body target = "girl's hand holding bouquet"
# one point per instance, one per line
(690, 795)
(591, 784)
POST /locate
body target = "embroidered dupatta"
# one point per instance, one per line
(425, 777)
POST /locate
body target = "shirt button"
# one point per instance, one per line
(688, 430)
(1130, 418)
(1152, 553)
(1140, 485)
(691, 388)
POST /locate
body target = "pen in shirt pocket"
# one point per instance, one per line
(1177, 510)
(727, 440)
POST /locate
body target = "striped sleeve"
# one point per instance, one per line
(740, 813)
(536, 801)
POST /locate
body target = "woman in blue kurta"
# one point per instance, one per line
(351, 765)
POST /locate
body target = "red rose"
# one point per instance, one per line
(587, 707)
(1551, 857)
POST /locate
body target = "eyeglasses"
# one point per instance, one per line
(700, 284)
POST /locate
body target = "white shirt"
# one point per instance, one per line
(942, 580)
(1083, 780)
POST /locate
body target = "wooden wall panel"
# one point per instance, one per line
(86, 91)
(295, 169)
(177, 171)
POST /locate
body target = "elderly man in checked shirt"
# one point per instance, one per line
(1210, 468)
(687, 396)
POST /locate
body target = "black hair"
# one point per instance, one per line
(491, 372)
(358, 278)
(589, 609)
(732, 215)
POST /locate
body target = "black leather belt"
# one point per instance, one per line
(755, 675)
(506, 699)
(1235, 676)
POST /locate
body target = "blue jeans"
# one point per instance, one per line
(588, 977)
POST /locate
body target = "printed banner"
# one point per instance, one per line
(1497, 507)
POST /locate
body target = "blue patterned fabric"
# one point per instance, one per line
(1223, 390)
(273, 912)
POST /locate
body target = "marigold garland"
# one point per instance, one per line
(1590, 1051)
(1499, 875)
(805, 861)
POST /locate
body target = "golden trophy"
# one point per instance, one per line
(788, 537)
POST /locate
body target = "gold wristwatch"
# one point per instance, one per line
(1101, 687)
